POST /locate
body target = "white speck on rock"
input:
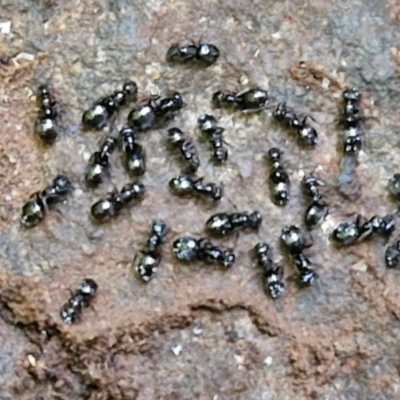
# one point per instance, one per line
(177, 350)
(86, 155)
(239, 359)
(5, 27)
(78, 193)
(328, 225)
(276, 35)
(359, 266)
(244, 80)
(268, 360)
(325, 83)
(25, 56)
(197, 331)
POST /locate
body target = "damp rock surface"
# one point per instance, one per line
(338, 339)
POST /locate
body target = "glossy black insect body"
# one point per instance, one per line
(37, 206)
(189, 249)
(186, 147)
(154, 112)
(351, 122)
(149, 258)
(272, 274)
(278, 178)
(184, 185)
(293, 239)
(82, 297)
(223, 224)
(45, 125)
(134, 158)
(203, 53)
(305, 132)
(98, 167)
(295, 242)
(392, 255)
(105, 209)
(318, 209)
(248, 100)
(350, 232)
(207, 124)
(101, 111)
(394, 186)
(305, 270)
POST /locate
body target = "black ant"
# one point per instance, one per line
(186, 147)
(98, 166)
(82, 297)
(272, 274)
(278, 178)
(149, 260)
(45, 125)
(392, 255)
(394, 186)
(203, 53)
(318, 209)
(306, 133)
(248, 100)
(222, 224)
(184, 185)
(294, 241)
(38, 204)
(350, 232)
(350, 121)
(188, 248)
(106, 208)
(102, 110)
(207, 124)
(134, 158)
(154, 111)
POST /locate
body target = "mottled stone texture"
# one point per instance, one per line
(337, 340)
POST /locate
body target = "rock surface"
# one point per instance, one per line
(197, 332)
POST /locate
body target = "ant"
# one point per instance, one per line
(186, 147)
(306, 133)
(106, 208)
(394, 186)
(350, 121)
(392, 255)
(45, 125)
(38, 204)
(98, 166)
(149, 259)
(203, 53)
(278, 178)
(134, 158)
(82, 297)
(318, 209)
(151, 113)
(247, 100)
(98, 115)
(350, 232)
(188, 248)
(223, 224)
(294, 241)
(207, 124)
(272, 274)
(184, 185)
